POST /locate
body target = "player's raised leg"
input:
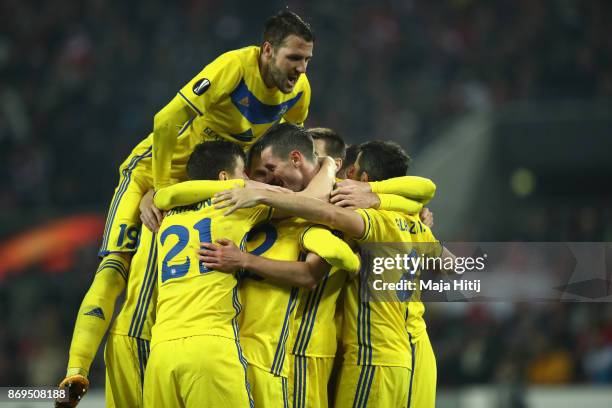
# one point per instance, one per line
(119, 242)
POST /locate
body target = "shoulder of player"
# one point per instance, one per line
(303, 84)
(234, 59)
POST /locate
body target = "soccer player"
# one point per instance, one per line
(281, 157)
(329, 143)
(349, 160)
(196, 359)
(236, 97)
(382, 352)
(265, 326)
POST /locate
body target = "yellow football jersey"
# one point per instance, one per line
(374, 328)
(267, 319)
(314, 324)
(192, 299)
(233, 102)
(137, 313)
(425, 243)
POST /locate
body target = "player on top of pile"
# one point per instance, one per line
(236, 97)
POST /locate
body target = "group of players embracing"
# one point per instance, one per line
(245, 278)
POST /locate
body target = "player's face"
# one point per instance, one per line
(258, 172)
(285, 172)
(289, 61)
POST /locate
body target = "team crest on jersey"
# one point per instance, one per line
(201, 86)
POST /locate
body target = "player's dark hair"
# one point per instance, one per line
(208, 159)
(334, 144)
(284, 24)
(383, 160)
(284, 138)
(349, 159)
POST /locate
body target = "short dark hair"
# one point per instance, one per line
(284, 24)
(334, 144)
(349, 159)
(283, 138)
(383, 160)
(210, 158)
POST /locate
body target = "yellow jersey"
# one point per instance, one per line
(137, 314)
(425, 243)
(375, 324)
(233, 102)
(192, 299)
(267, 319)
(315, 325)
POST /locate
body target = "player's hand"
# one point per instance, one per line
(352, 196)
(237, 198)
(263, 186)
(150, 215)
(355, 199)
(352, 185)
(76, 385)
(224, 256)
(427, 217)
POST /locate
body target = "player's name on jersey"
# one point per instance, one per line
(193, 207)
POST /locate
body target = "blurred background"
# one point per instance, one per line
(507, 105)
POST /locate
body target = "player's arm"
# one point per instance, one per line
(416, 188)
(322, 183)
(194, 191)
(308, 208)
(191, 192)
(166, 125)
(215, 81)
(390, 202)
(225, 256)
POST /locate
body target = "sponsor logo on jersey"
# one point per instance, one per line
(96, 312)
(201, 86)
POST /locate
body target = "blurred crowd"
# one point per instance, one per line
(80, 82)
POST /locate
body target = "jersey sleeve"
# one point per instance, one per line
(375, 226)
(216, 80)
(191, 192)
(299, 112)
(392, 202)
(416, 188)
(336, 252)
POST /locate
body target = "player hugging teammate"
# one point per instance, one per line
(242, 292)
